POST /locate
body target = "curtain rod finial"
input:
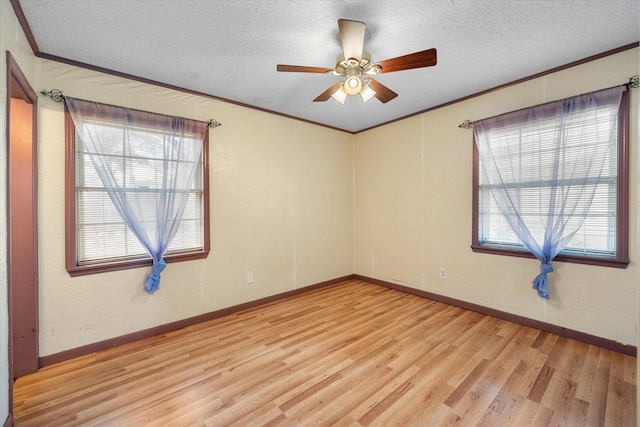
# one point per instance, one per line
(467, 124)
(213, 123)
(54, 94)
(633, 83)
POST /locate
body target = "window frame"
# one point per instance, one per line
(71, 262)
(621, 259)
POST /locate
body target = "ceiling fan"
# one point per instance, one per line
(355, 65)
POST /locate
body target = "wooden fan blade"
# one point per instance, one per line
(383, 93)
(352, 38)
(327, 93)
(302, 69)
(425, 58)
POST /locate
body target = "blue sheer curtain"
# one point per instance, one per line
(149, 191)
(542, 166)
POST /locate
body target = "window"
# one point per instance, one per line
(602, 238)
(97, 239)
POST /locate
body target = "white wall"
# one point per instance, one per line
(11, 39)
(413, 213)
(279, 208)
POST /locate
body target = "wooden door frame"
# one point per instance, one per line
(18, 87)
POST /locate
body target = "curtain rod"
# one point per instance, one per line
(57, 96)
(633, 83)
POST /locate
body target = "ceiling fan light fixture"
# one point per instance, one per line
(355, 66)
(366, 93)
(340, 95)
(352, 85)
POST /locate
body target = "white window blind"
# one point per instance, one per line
(532, 146)
(101, 234)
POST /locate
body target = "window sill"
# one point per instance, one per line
(592, 260)
(82, 270)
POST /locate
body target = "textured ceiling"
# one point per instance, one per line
(230, 49)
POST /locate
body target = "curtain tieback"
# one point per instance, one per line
(152, 281)
(540, 283)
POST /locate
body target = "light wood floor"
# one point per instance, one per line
(347, 355)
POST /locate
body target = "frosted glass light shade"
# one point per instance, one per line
(340, 95)
(366, 93)
(352, 85)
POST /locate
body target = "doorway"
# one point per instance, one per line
(22, 223)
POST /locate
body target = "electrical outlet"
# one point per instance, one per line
(250, 277)
(443, 273)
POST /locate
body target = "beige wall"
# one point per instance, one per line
(413, 213)
(279, 208)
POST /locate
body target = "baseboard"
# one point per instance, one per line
(525, 321)
(162, 329)
(521, 320)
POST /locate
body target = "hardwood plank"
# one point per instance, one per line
(578, 413)
(539, 388)
(482, 394)
(442, 415)
(464, 387)
(533, 414)
(502, 409)
(367, 404)
(386, 403)
(619, 404)
(351, 354)
(598, 403)
(584, 390)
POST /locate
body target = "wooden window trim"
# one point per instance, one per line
(70, 216)
(621, 259)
